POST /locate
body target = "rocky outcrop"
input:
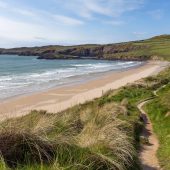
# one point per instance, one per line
(112, 51)
(138, 50)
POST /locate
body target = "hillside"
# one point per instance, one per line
(159, 112)
(154, 48)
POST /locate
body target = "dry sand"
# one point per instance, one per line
(59, 99)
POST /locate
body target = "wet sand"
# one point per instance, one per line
(59, 99)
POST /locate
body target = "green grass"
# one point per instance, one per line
(159, 112)
(158, 109)
(154, 48)
(87, 136)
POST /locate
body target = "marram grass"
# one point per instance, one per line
(102, 134)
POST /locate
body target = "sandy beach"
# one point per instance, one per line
(59, 99)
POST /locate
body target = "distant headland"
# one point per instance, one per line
(153, 48)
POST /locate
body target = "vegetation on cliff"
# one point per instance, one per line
(154, 48)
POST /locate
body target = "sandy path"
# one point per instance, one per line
(148, 152)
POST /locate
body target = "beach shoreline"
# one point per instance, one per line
(61, 98)
(77, 81)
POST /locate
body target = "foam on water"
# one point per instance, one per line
(21, 75)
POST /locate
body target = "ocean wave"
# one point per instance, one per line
(42, 77)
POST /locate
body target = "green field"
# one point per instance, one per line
(153, 48)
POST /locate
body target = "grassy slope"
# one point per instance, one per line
(154, 48)
(159, 112)
(158, 46)
(91, 135)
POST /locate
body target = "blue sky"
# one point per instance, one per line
(44, 22)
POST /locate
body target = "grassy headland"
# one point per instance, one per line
(100, 134)
(153, 48)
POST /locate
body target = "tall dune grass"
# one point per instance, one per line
(87, 136)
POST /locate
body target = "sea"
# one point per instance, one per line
(20, 75)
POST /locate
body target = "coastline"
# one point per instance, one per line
(61, 98)
(78, 80)
(39, 76)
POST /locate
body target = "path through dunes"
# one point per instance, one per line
(148, 152)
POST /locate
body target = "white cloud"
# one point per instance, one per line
(37, 14)
(67, 20)
(29, 24)
(97, 7)
(89, 9)
(11, 9)
(25, 12)
(115, 22)
(24, 31)
(112, 8)
(15, 29)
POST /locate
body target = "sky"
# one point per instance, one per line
(68, 22)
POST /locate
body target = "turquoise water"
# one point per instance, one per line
(25, 74)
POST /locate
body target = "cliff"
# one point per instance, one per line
(137, 50)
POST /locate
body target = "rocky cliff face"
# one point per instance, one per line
(59, 52)
(138, 50)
